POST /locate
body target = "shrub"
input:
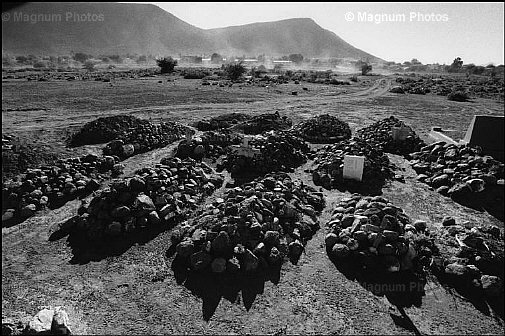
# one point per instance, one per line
(235, 71)
(166, 64)
(459, 96)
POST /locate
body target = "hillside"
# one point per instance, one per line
(53, 28)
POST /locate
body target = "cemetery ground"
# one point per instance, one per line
(136, 292)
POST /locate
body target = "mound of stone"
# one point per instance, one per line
(252, 228)
(154, 197)
(323, 129)
(329, 164)
(270, 152)
(380, 135)
(105, 129)
(55, 185)
(459, 171)
(144, 138)
(377, 235)
(211, 144)
(265, 122)
(221, 121)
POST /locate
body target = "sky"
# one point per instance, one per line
(429, 32)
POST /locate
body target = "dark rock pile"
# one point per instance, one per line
(55, 185)
(329, 162)
(461, 172)
(379, 135)
(477, 265)
(222, 121)
(211, 144)
(271, 152)
(146, 202)
(252, 228)
(323, 129)
(105, 129)
(145, 138)
(377, 235)
(264, 122)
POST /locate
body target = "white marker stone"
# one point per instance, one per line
(353, 167)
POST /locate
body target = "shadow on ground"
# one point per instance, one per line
(212, 287)
(402, 289)
(85, 249)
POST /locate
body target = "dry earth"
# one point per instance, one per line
(137, 292)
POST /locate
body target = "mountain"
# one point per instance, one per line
(118, 28)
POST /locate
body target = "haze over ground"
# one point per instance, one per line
(472, 31)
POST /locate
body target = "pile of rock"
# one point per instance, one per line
(253, 227)
(376, 234)
(323, 129)
(380, 135)
(105, 129)
(220, 122)
(265, 122)
(145, 138)
(478, 263)
(55, 185)
(329, 162)
(211, 144)
(270, 152)
(461, 172)
(155, 196)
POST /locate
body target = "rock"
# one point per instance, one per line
(120, 212)
(137, 184)
(233, 265)
(250, 261)
(476, 185)
(200, 260)
(340, 251)
(272, 238)
(420, 225)
(456, 269)
(439, 181)
(221, 244)
(330, 240)
(41, 322)
(28, 211)
(59, 325)
(492, 285)
(185, 248)
(8, 215)
(144, 203)
(448, 220)
(295, 249)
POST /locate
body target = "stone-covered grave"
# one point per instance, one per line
(105, 129)
(240, 241)
(145, 137)
(210, 145)
(374, 242)
(323, 128)
(328, 170)
(472, 262)
(392, 136)
(136, 209)
(462, 173)
(221, 122)
(263, 123)
(53, 186)
(271, 152)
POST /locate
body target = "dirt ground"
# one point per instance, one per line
(137, 292)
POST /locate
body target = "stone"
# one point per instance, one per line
(28, 210)
(200, 260)
(448, 220)
(455, 269)
(250, 261)
(120, 212)
(60, 323)
(221, 244)
(233, 265)
(330, 240)
(272, 238)
(41, 322)
(185, 248)
(492, 285)
(144, 203)
(340, 251)
(420, 225)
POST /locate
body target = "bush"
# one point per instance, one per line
(166, 64)
(459, 96)
(235, 71)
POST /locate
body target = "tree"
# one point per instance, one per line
(81, 57)
(296, 58)
(89, 65)
(215, 58)
(167, 64)
(235, 70)
(456, 65)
